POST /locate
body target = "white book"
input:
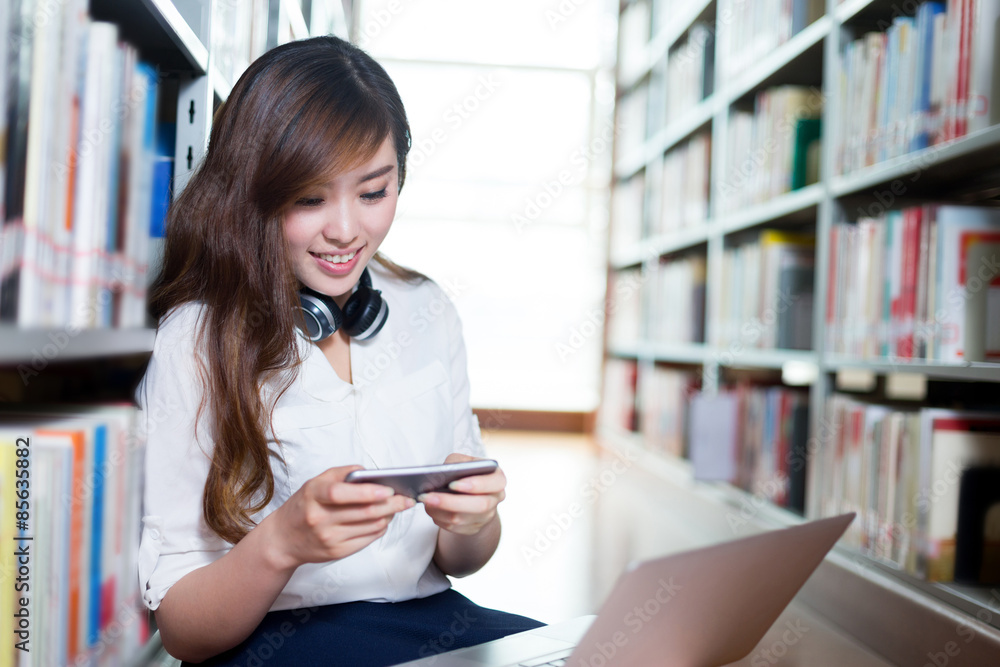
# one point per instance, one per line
(94, 150)
(37, 193)
(951, 442)
(714, 436)
(53, 464)
(984, 71)
(956, 226)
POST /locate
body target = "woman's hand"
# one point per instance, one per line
(328, 518)
(475, 504)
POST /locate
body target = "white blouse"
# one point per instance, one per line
(408, 405)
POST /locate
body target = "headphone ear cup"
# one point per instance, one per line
(321, 314)
(365, 313)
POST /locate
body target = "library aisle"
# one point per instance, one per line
(555, 563)
(543, 557)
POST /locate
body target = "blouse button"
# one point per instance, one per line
(154, 533)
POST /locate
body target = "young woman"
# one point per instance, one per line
(253, 545)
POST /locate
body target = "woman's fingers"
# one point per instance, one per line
(366, 513)
(461, 503)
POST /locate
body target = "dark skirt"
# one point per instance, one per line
(370, 634)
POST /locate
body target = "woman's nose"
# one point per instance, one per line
(342, 224)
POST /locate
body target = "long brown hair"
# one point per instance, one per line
(300, 112)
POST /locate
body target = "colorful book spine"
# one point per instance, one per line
(87, 470)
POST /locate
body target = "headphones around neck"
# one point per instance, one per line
(363, 316)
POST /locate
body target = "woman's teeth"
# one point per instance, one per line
(338, 259)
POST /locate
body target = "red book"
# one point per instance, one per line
(962, 83)
(908, 292)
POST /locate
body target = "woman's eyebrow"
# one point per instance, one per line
(378, 172)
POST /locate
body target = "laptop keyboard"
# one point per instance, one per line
(551, 660)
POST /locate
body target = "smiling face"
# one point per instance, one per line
(334, 229)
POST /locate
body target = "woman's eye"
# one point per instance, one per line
(309, 201)
(372, 196)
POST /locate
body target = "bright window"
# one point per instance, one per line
(505, 203)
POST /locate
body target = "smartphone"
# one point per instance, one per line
(422, 479)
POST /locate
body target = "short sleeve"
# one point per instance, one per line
(175, 539)
(468, 438)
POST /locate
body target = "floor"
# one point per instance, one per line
(573, 519)
(542, 567)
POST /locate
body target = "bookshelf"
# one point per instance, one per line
(804, 48)
(53, 361)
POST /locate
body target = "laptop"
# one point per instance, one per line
(709, 606)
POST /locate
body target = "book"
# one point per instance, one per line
(684, 186)
(951, 441)
(677, 314)
(664, 397)
(714, 436)
(958, 227)
(91, 456)
(984, 76)
(759, 163)
(20, 48)
(898, 284)
(618, 409)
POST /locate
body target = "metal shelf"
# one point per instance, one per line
(850, 8)
(963, 170)
(681, 353)
(786, 205)
(942, 597)
(946, 164)
(766, 359)
(164, 36)
(661, 245)
(810, 37)
(32, 346)
(972, 372)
